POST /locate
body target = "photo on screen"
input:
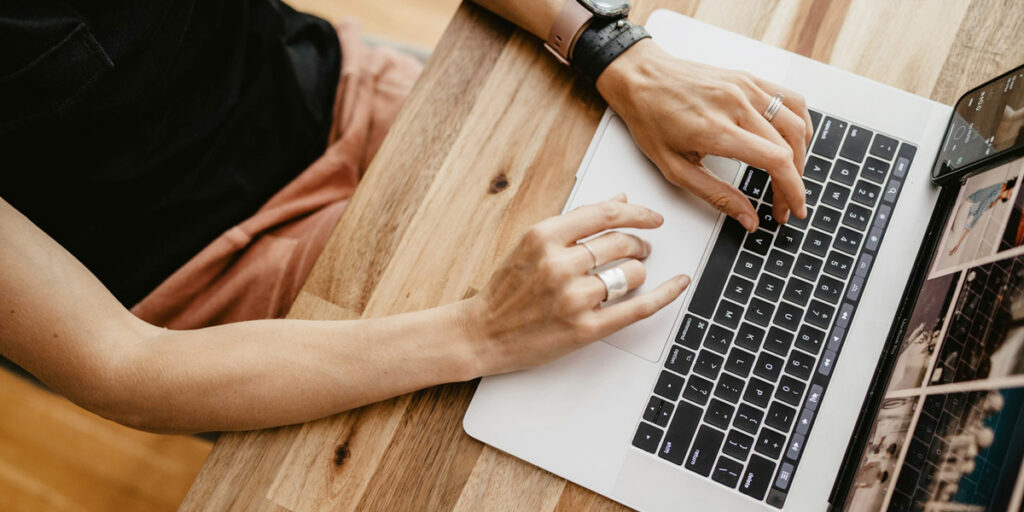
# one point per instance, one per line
(877, 471)
(985, 336)
(1014, 234)
(977, 225)
(921, 341)
(965, 453)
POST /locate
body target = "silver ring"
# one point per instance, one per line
(773, 107)
(614, 280)
(591, 251)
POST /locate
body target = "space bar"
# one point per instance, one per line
(712, 280)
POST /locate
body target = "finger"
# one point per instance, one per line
(719, 194)
(792, 130)
(789, 173)
(593, 289)
(615, 317)
(591, 219)
(794, 101)
(611, 246)
(774, 157)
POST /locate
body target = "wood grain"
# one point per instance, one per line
(487, 144)
(58, 457)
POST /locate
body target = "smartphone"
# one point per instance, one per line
(986, 129)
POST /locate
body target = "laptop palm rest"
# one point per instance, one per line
(617, 165)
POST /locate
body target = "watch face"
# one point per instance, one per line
(607, 8)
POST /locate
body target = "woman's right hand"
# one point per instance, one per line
(543, 302)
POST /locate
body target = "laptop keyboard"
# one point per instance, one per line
(741, 385)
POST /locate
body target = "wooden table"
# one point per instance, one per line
(471, 162)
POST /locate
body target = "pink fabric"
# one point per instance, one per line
(255, 269)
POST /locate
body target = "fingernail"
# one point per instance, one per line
(784, 217)
(803, 212)
(684, 280)
(658, 217)
(647, 248)
(748, 222)
(620, 198)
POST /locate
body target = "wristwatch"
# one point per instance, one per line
(574, 18)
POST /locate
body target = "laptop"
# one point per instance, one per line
(765, 385)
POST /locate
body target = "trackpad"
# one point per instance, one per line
(678, 246)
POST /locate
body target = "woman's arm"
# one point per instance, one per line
(678, 111)
(60, 323)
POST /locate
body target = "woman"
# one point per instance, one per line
(981, 201)
(182, 157)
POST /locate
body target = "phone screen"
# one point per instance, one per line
(986, 122)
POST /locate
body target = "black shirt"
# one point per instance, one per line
(134, 132)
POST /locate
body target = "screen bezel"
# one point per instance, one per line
(988, 162)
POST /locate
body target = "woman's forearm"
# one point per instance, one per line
(266, 373)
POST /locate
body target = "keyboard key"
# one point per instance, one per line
(826, 219)
(782, 481)
(779, 263)
(708, 364)
(874, 238)
(747, 265)
(803, 425)
(718, 339)
(712, 280)
(807, 267)
(704, 451)
(748, 419)
(819, 314)
(829, 137)
(680, 433)
(812, 191)
(780, 417)
(882, 216)
(769, 287)
(750, 336)
(727, 472)
(697, 390)
(789, 239)
(817, 243)
(796, 445)
(719, 414)
(817, 169)
(770, 443)
(835, 196)
(758, 242)
(829, 289)
(884, 147)
(737, 444)
(739, 362)
(800, 365)
(767, 366)
(729, 388)
(790, 390)
(757, 477)
(838, 265)
(813, 399)
(844, 172)
(845, 315)
(691, 331)
(738, 289)
(810, 339)
(766, 219)
(729, 314)
(658, 412)
(669, 385)
(796, 222)
(857, 217)
(754, 181)
(647, 437)
(758, 392)
(892, 189)
(799, 292)
(847, 240)
(779, 341)
(815, 119)
(875, 170)
(856, 144)
(856, 286)
(769, 195)
(759, 312)
(680, 360)
(827, 362)
(866, 193)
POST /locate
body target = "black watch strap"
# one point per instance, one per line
(602, 42)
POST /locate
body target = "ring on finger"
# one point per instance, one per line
(615, 283)
(591, 251)
(773, 107)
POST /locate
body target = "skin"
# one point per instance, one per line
(60, 323)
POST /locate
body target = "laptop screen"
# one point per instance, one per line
(949, 433)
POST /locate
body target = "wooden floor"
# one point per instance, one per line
(55, 456)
